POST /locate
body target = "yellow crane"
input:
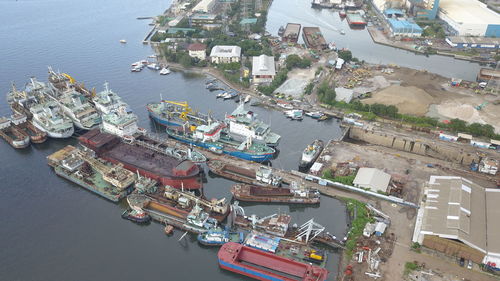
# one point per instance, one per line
(184, 105)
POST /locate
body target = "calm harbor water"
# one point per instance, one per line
(53, 230)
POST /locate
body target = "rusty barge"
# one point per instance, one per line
(262, 176)
(163, 168)
(294, 195)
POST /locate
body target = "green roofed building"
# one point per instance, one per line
(174, 30)
(248, 21)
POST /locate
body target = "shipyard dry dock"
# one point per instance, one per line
(313, 38)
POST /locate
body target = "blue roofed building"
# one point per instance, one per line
(404, 28)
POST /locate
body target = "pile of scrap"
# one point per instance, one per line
(344, 169)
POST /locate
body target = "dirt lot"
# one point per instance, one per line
(436, 98)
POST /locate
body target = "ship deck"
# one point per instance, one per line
(145, 159)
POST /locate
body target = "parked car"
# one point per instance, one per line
(461, 262)
(469, 264)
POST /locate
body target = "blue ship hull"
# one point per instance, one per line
(238, 154)
(162, 121)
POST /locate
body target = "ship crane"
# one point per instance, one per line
(115, 175)
(308, 231)
(182, 104)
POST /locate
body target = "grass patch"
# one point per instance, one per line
(410, 266)
(358, 223)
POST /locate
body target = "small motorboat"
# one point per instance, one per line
(342, 32)
(154, 66)
(123, 41)
(168, 229)
(164, 71)
(247, 98)
(314, 114)
(136, 69)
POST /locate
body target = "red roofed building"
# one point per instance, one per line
(197, 50)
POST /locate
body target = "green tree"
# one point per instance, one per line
(186, 60)
(326, 94)
(346, 55)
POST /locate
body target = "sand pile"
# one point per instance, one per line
(454, 109)
(408, 100)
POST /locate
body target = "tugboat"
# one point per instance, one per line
(36, 135)
(15, 136)
(136, 216)
(310, 154)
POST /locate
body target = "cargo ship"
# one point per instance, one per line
(310, 155)
(196, 221)
(163, 168)
(254, 193)
(219, 237)
(110, 181)
(262, 176)
(21, 121)
(184, 201)
(172, 113)
(211, 137)
(263, 265)
(12, 134)
(243, 123)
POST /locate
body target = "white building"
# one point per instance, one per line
(470, 18)
(225, 54)
(460, 218)
(263, 69)
(205, 6)
(197, 50)
(374, 179)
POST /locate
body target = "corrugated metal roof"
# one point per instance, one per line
(372, 178)
(263, 65)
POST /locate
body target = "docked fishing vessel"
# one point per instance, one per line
(310, 155)
(183, 202)
(293, 195)
(110, 181)
(21, 101)
(171, 113)
(12, 134)
(21, 121)
(78, 109)
(219, 237)
(196, 221)
(135, 214)
(119, 122)
(315, 114)
(161, 167)
(262, 176)
(264, 265)
(211, 137)
(243, 123)
(48, 118)
(107, 101)
(62, 82)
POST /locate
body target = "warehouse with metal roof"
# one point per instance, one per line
(470, 18)
(374, 179)
(460, 218)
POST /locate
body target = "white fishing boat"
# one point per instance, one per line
(248, 98)
(123, 41)
(48, 118)
(107, 101)
(164, 71)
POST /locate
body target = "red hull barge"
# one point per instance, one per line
(160, 167)
(262, 265)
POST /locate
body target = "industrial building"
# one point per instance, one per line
(473, 42)
(404, 28)
(225, 54)
(201, 19)
(374, 179)
(424, 9)
(263, 69)
(460, 219)
(205, 6)
(469, 18)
